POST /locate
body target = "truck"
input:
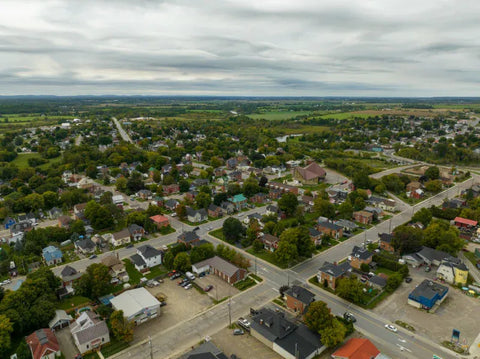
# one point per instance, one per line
(190, 275)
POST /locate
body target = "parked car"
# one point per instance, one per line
(208, 288)
(196, 229)
(188, 286)
(238, 332)
(171, 273)
(243, 323)
(93, 256)
(391, 328)
(349, 317)
(173, 214)
(428, 269)
(175, 276)
(408, 279)
(129, 246)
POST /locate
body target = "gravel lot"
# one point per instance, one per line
(221, 289)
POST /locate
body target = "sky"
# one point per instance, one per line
(382, 48)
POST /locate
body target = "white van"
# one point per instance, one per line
(190, 275)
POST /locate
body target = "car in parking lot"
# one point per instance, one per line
(208, 288)
(390, 327)
(188, 286)
(196, 229)
(175, 276)
(408, 279)
(238, 332)
(243, 323)
(93, 256)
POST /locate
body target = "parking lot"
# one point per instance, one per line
(181, 305)
(458, 311)
(221, 289)
(243, 346)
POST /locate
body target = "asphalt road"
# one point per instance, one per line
(122, 132)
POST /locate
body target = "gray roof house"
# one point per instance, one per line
(196, 216)
(85, 245)
(89, 332)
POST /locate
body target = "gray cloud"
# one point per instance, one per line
(215, 47)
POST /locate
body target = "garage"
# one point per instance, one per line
(61, 320)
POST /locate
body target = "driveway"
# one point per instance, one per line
(221, 289)
(181, 305)
(458, 311)
(66, 343)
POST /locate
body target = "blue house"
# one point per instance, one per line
(52, 255)
(427, 294)
(9, 221)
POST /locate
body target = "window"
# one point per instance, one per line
(87, 346)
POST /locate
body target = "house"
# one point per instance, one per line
(85, 246)
(453, 271)
(348, 226)
(89, 332)
(207, 350)
(64, 221)
(463, 223)
(413, 186)
(288, 339)
(117, 199)
(171, 189)
(329, 273)
(138, 305)
(432, 256)
(360, 256)
(171, 204)
(272, 210)
(8, 222)
(214, 211)
(228, 207)
(274, 194)
(146, 257)
(188, 238)
(221, 268)
(377, 282)
(43, 344)
(52, 255)
(199, 182)
(311, 174)
(239, 201)
(191, 195)
(79, 210)
(120, 238)
(270, 242)
(235, 176)
(357, 348)
(136, 232)
(330, 229)
(196, 215)
(232, 163)
(384, 204)
(54, 213)
(60, 320)
(427, 294)
(298, 298)
(116, 266)
(259, 198)
(160, 221)
(419, 193)
(363, 217)
(385, 241)
(454, 203)
(283, 188)
(144, 194)
(376, 211)
(68, 275)
(315, 236)
(27, 218)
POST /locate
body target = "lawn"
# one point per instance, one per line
(278, 115)
(384, 271)
(156, 271)
(113, 347)
(471, 257)
(245, 284)
(133, 273)
(345, 115)
(21, 161)
(266, 256)
(76, 300)
(218, 233)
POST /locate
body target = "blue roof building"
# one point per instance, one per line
(239, 200)
(52, 255)
(427, 294)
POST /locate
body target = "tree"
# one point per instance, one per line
(288, 203)
(182, 262)
(168, 259)
(232, 229)
(77, 227)
(350, 289)
(122, 329)
(301, 238)
(318, 316)
(6, 327)
(345, 210)
(95, 282)
(181, 211)
(203, 200)
(364, 267)
(135, 182)
(257, 245)
(184, 185)
(334, 334)
(424, 216)
(407, 239)
(433, 186)
(121, 184)
(219, 198)
(202, 252)
(324, 208)
(393, 282)
(432, 173)
(250, 187)
(286, 253)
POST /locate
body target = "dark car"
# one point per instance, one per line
(349, 317)
(196, 229)
(208, 288)
(238, 332)
(129, 246)
(408, 279)
(163, 303)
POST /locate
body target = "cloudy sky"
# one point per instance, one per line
(245, 47)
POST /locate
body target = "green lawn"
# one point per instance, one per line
(76, 300)
(217, 233)
(278, 115)
(21, 161)
(133, 273)
(245, 284)
(113, 347)
(471, 257)
(384, 271)
(156, 271)
(266, 256)
(345, 115)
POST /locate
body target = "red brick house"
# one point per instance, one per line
(160, 221)
(171, 189)
(64, 221)
(188, 238)
(386, 242)
(274, 194)
(270, 242)
(298, 298)
(363, 217)
(220, 267)
(360, 256)
(284, 188)
(330, 229)
(215, 211)
(329, 273)
(259, 198)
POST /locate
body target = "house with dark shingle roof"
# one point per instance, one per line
(85, 245)
(386, 242)
(220, 267)
(289, 339)
(298, 298)
(330, 272)
(188, 238)
(360, 256)
(196, 215)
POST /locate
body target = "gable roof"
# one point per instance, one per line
(300, 293)
(133, 301)
(159, 218)
(147, 251)
(88, 327)
(386, 237)
(121, 234)
(220, 264)
(51, 252)
(357, 348)
(361, 253)
(433, 254)
(68, 271)
(312, 171)
(137, 260)
(188, 237)
(330, 225)
(335, 270)
(42, 342)
(86, 243)
(466, 221)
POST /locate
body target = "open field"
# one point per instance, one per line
(279, 115)
(393, 112)
(33, 117)
(21, 161)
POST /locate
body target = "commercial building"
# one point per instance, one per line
(138, 305)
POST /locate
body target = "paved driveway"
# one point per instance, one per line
(67, 345)
(458, 311)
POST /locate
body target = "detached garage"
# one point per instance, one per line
(61, 320)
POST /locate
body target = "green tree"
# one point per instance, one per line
(345, 210)
(77, 227)
(318, 316)
(423, 216)
(250, 187)
(95, 282)
(135, 182)
(181, 211)
(203, 200)
(257, 245)
(433, 186)
(286, 253)
(288, 203)
(350, 289)
(122, 329)
(407, 239)
(432, 173)
(232, 229)
(324, 208)
(168, 259)
(182, 262)
(393, 282)
(202, 252)
(6, 327)
(121, 184)
(184, 185)
(364, 267)
(334, 334)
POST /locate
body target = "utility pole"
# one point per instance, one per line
(390, 226)
(255, 264)
(230, 311)
(151, 349)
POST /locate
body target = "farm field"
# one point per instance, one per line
(279, 115)
(21, 161)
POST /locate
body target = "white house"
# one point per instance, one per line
(138, 305)
(146, 257)
(89, 332)
(117, 199)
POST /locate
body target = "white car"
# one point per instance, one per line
(243, 322)
(391, 328)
